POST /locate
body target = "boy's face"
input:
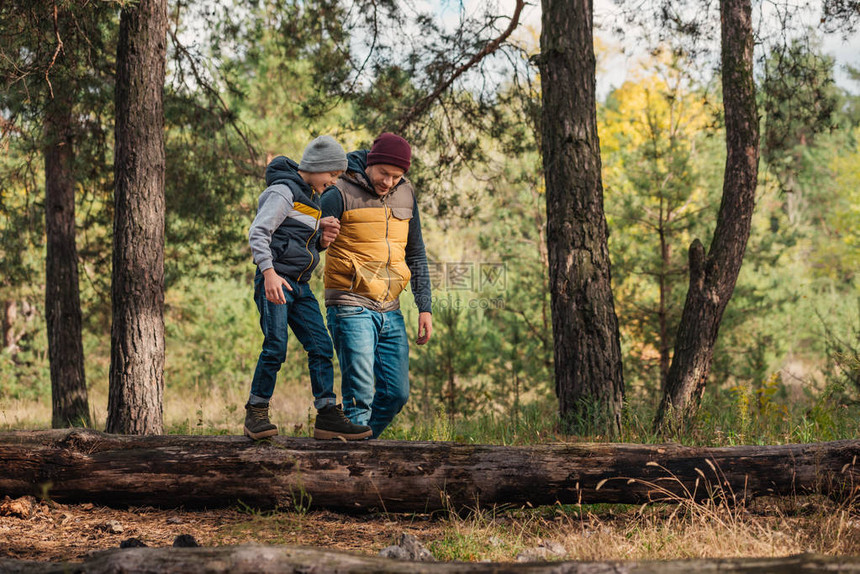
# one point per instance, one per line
(384, 177)
(319, 181)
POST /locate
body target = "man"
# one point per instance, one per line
(379, 249)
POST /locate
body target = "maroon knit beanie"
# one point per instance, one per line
(390, 149)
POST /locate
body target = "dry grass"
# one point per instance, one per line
(25, 414)
(709, 522)
(200, 410)
(657, 532)
(653, 536)
(665, 532)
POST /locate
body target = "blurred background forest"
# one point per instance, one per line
(250, 80)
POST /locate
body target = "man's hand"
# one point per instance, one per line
(425, 327)
(274, 286)
(329, 228)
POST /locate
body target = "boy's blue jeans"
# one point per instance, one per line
(373, 351)
(302, 313)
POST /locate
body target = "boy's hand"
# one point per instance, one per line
(329, 228)
(425, 327)
(274, 286)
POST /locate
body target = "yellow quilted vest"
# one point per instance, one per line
(368, 258)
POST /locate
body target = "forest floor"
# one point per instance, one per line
(60, 532)
(47, 531)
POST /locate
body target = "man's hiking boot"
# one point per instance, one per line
(257, 423)
(332, 423)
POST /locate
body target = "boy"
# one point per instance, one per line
(285, 244)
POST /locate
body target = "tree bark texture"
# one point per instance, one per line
(585, 328)
(10, 316)
(69, 402)
(137, 331)
(394, 476)
(713, 277)
(253, 559)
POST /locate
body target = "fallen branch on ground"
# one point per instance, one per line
(399, 476)
(283, 559)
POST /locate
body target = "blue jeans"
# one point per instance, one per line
(373, 351)
(302, 313)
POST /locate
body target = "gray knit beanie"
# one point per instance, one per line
(323, 154)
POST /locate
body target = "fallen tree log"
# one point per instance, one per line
(216, 471)
(283, 559)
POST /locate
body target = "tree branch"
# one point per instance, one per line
(56, 52)
(214, 94)
(421, 105)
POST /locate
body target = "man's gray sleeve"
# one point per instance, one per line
(275, 204)
(331, 204)
(416, 259)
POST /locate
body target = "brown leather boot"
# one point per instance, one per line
(332, 423)
(257, 423)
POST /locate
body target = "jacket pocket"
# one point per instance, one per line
(279, 245)
(400, 276)
(339, 272)
(295, 257)
(370, 279)
(402, 213)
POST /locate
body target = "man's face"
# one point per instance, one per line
(384, 177)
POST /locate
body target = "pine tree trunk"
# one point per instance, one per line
(69, 401)
(10, 314)
(587, 350)
(713, 277)
(137, 331)
(663, 310)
